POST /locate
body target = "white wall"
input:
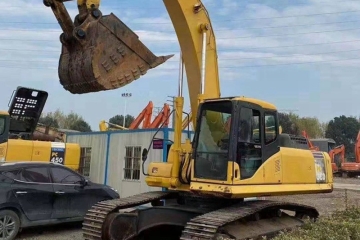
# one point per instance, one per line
(118, 142)
(98, 144)
(116, 157)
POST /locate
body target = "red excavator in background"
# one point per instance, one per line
(352, 169)
(337, 153)
(144, 117)
(311, 146)
(162, 118)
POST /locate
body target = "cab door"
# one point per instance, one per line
(248, 129)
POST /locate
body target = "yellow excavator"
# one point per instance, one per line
(19, 140)
(232, 157)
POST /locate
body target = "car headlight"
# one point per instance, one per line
(113, 189)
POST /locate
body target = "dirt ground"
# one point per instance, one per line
(324, 203)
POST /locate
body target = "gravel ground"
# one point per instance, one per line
(325, 203)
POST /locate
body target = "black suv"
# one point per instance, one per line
(37, 194)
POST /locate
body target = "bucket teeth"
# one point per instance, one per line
(160, 60)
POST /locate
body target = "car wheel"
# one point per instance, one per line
(9, 224)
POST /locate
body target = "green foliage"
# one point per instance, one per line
(311, 125)
(49, 121)
(59, 119)
(293, 124)
(81, 126)
(118, 119)
(342, 225)
(344, 131)
(287, 123)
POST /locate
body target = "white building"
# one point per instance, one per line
(114, 157)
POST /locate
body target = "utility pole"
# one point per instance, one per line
(125, 95)
(173, 106)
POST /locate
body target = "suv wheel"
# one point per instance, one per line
(9, 224)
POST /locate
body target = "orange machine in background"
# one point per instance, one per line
(311, 146)
(336, 153)
(352, 169)
(144, 117)
(161, 118)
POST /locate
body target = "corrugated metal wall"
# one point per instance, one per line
(113, 175)
(98, 144)
(118, 142)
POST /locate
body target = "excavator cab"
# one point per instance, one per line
(243, 149)
(99, 52)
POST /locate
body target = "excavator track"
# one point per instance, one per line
(96, 216)
(206, 226)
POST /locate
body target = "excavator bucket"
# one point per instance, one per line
(99, 52)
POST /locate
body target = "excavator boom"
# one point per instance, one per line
(99, 52)
(161, 118)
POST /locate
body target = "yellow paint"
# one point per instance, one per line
(290, 171)
(89, 3)
(17, 150)
(187, 25)
(261, 103)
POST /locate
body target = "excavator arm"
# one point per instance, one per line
(144, 117)
(311, 146)
(101, 53)
(98, 52)
(161, 118)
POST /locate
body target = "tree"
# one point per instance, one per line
(344, 131)
(311, 125)
(71, 121)
(118, 120)
(49, 121)
(81, 126)
(287, 124)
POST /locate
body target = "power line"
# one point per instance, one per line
(141, 7)
(220, 30)
(221, 58)
(232, 49)
(225, 20)
(175, 40)
(229, 67)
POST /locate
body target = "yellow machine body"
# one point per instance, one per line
(18, 150)
(288, 171)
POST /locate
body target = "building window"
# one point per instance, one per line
(85, 158)
(132, 163)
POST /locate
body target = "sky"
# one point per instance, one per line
(303, 56)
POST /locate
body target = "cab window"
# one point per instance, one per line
(249, 155)
(270, 128)
(2, 125)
